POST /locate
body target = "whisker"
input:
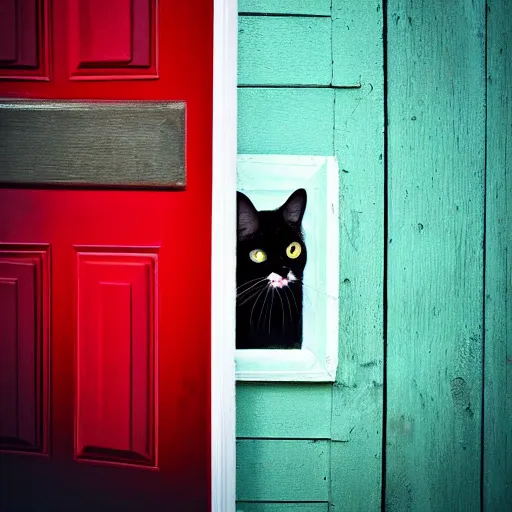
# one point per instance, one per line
(282, 307)
(289, 306)
(317, 290)
(249, 290)
(293, 297)
(250, 287)
(266, 295)
(270, 315)
(254, 305)
(251, 281)
(253, 294)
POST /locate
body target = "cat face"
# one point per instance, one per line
(271, 256)
(270, 243)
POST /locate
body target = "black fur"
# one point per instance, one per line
(269, 317)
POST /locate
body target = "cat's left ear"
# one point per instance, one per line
(295, 206)
(248, 222)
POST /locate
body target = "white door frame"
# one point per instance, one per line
(223, 291)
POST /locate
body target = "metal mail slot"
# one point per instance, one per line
(92, 143)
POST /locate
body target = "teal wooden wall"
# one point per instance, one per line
(415, 100)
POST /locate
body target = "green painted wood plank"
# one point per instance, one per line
(242, 506)
(358, 392)
(283, 410)
(282, 470)
(312, 7)
(277, 50)
(498, 310)
(436, 129)
(288, 121)
(356, 42)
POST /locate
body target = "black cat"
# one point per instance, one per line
(271, 256)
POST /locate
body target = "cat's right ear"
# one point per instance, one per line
(247, 216)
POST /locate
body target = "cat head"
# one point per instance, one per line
(270, 243)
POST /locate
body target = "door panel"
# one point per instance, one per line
(131, 54)
(24, 39)
(105, 372)
(116, 380)
(24, 349)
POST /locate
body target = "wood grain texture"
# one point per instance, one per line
(242, 506)
(103, 144)
(312, 7)
(277, 50)
(436, 98)
(282, 470)
(357, 409)
(356, 42)
(283, 410)
(498, 294)
(287, 121)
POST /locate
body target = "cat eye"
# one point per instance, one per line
(258, 256)
(293, 250)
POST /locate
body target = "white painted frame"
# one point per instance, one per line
(223, 457)
(268, 180)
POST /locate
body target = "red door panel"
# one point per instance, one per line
(24, 350)
(105, 292)
(115, 361)
(24, 39)
(113, 40)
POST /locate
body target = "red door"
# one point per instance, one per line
(105, 208)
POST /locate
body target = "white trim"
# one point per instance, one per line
(268, 180)
(223, 462)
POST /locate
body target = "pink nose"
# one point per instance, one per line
(277, 281)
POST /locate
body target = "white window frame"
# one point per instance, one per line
(268, 180)
(223, 457)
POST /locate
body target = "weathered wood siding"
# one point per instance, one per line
(420, 417)
(436, 161)
(497, 462)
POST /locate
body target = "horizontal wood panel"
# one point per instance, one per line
(357, 48)
(287, 121)
(242, 506)
(314, 7)
(283, 410)
(110, 144)
(272, 470)
(277, 50)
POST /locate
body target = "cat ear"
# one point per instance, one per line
(293, 209)
(247, 215)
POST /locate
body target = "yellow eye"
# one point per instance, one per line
(293, 250)
(258, 256)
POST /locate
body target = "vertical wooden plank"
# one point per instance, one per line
(498, 297)
(436, 98)
(356, 464)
